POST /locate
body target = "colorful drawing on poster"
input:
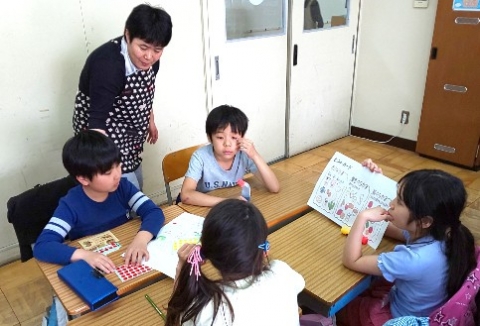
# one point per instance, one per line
(377, 199)
(180, 242)
(186, 228)
(356, 191)
(331, 185)
(345, 188)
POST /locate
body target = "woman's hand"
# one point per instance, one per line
(152, 132)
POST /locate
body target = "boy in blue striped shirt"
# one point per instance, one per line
(102, 200)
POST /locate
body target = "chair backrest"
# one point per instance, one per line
(461, 308)
(31, 210)
(175, 165)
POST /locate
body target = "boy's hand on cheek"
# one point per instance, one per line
(247, 146)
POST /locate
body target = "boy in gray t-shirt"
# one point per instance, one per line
(226, 159)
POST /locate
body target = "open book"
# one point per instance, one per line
(345, 188)
(185, 228)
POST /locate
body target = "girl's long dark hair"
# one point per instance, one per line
(442, 196)
(232, 232)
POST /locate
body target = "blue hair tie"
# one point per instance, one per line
(264, 246)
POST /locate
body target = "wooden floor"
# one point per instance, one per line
(25, 293)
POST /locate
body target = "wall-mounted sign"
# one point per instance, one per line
(466, 5)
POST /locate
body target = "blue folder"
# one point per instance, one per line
(90, 284)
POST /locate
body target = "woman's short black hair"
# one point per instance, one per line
(150, 24)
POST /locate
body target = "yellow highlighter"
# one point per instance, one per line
(155, 307)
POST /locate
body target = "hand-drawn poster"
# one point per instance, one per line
(185, 228)
(345, 188)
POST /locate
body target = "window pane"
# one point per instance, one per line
(324, 13)
(250, 18)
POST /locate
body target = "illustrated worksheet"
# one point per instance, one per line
(345, 188)
(185, 228)
(104, 243)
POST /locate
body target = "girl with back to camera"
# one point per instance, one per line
(251, 291)
(432, 265)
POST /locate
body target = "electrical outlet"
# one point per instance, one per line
(420, 3)
(404, 117)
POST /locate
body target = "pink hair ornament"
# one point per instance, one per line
(195, 259)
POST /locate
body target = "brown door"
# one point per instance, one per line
(450, 120)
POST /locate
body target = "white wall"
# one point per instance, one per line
(393, 52)
(44, 48)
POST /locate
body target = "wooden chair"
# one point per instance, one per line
(175, 165)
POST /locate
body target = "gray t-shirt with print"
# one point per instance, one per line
(205, 169)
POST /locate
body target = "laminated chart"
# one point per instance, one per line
(345, 188)
(185, 228)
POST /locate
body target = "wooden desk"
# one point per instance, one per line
(133, 309)
(125, 234)
(313, 246)
(277, 209)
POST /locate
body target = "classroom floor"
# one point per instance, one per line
(25, 293)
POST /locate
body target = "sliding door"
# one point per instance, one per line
(248, 56)
(321, 71)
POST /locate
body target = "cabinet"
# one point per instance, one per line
(450, 120)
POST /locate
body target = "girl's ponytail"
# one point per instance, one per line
(460, 252)
(192, 292)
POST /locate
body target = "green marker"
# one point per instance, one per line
(155, 307)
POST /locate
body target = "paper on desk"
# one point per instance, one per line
(185, 228)
(345, 188)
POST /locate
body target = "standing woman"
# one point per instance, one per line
(117, 86)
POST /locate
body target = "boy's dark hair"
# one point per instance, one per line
(89, 153)
(232, 232)
(442, 197)
(224, 115)
(150, 24)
